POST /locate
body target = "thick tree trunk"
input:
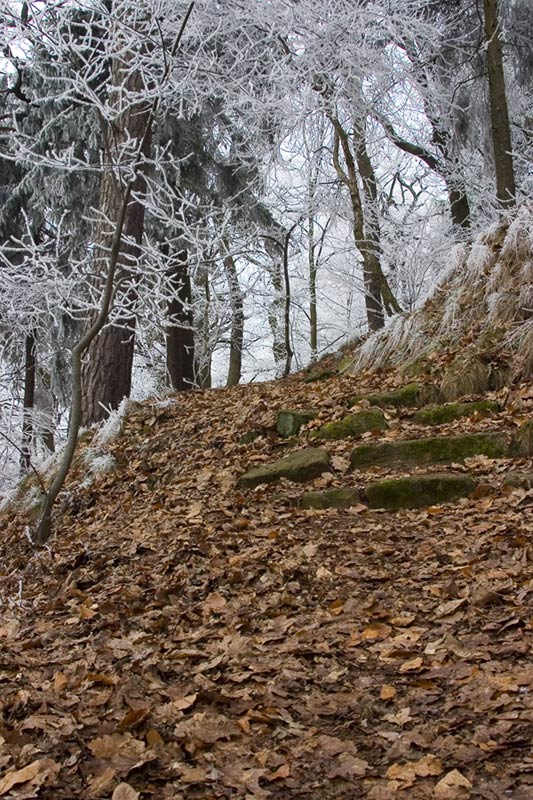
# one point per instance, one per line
(179, 332)
(108, 367)
(499, 114)
(30, 365)
(237, 317)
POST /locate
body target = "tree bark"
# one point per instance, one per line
(108, 367)
(179, 331)
(237, 317)
(499, 114)
(313, 318)
(378, 294)
(287, 308)
(202, 368)
(30, 366)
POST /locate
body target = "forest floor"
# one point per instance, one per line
(182, 638)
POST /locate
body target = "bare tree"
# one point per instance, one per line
(499, 114)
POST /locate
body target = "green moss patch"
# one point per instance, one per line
(410, 396)
(249, 437)
(519, 480)
(320, 376)
(289, 422)
(418, 491)
(304, 465)
(434, 450)
(352, 425)
(333, 498)
(439, 415)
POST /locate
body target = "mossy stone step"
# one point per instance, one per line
(320, 376)
(303, 465)
(418, 491)
(250, 436)
(439, 415)
(410, 396)
(352, 425)
(332, 498)
(519, 480)
(289, 421)
(435, 449)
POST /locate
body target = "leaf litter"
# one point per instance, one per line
(182, 638)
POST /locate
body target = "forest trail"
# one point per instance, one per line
(184, 636)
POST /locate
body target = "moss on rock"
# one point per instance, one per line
(522, 443)
(304, 465)
(409, 396)
(352, 425)
(435, 449)
(333, 498)
(418, 491)
(439, 415)
(289, 422)
(320, 376)
(519, 480)
(249, 437)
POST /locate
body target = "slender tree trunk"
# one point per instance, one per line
(237, 317)
(287, 309)
(499, 114)
(202, 371)
(179, 331)
(30, 365)
(378, 294)
(371, 244)
(108, 367)
(313, 323)
(274, 248)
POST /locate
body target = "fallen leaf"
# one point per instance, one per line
(348, 766)
(414, 665)
(36, 773)
(453, 785)
(124, 792)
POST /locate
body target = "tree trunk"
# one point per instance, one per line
(378, 293)
(108, 367)
(202, 368)
(179, 332)
(30, 364)
(313, 326)
(499, 114)
(287, 310)
(237, 317)
(274, 247)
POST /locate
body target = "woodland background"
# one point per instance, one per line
(224, 191)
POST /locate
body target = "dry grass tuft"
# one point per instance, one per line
(481, 312)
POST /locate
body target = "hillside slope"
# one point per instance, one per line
(184, 637)
(476, 328)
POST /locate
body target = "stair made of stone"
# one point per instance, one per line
(412, 491)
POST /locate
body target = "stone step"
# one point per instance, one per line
(440, 415)
(436, 449)
(290, 421)
(411, 395)
(418, 491)
(303, 465)
(331, 498)
(351, 425)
